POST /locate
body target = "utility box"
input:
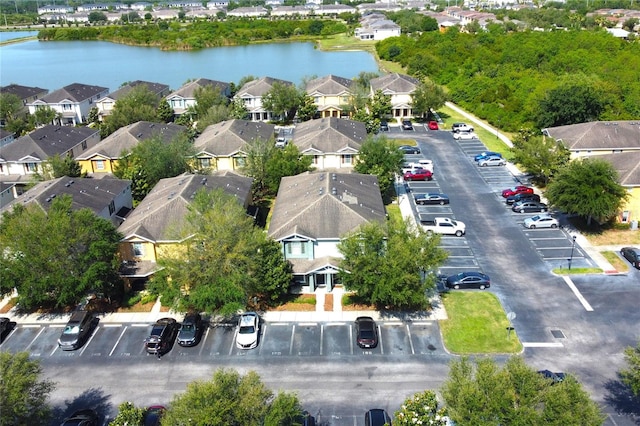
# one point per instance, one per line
(634, 225)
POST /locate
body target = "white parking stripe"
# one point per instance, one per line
(118, 341)
(575, 290)
(293, 333)
(380, 340)
(321, 337)
(542, 345)
(413, 352)
(34, 339)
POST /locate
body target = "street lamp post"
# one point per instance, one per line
(573, 245)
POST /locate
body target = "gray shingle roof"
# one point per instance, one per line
(394, 83)
(23, 92)
(188, 90)
(325, 205)
(329, 135)
(75, 92)
(129, 136)
(259, 87)
(160, 216)
(627, 164)
(156, 88)
(598, 135)
(329, 85)
(46, 142)
(228, 137)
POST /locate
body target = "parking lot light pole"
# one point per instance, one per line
(573, 245)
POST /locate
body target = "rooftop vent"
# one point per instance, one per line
(333, 176)
(68, 184)
(203, 181)
(334, 191)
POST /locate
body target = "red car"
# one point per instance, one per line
(520, 189)
(433, 125)
(418, 174)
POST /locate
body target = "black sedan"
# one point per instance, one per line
(407, 149)
(632, 254)
(529, 207)
(522, 197)
(555, 377)
(86, 417)
(468, 280)
(432, 198)
(190, 330)
(366, 332)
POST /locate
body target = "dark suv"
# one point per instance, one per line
(522, 197)
(76, 331)
(377, 417)
(162, 336)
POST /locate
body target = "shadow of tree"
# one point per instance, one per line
(620, 398)
(93, 398)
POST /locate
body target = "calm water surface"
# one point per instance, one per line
(53, 64)
(9, 35)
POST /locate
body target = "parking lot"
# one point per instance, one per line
(218, 340)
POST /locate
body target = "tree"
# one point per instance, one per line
(238, 109)
(164, 112)
(57, 166)
(140, 104)
(10, 106)
(386, 265)
(631, 375)
(78, 255)
(382, 158)
(307, 109)
(44, 115)
(128, 415)
(283, 99)
(97, 16)
(577, 100)
(379, 105)
(485, 394)
(23, 395)
(540, 156)
(421, 409)
(427, 96)
(589, 188)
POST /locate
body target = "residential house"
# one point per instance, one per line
(108, 198)
(106, 104)
(332, 95)
(251, 94)
(400, 88)
(7, 193)
(23, 158)
(333, 142)
(224, 146)
(26, 94)
(104, 156)
(156, 223)
(6, 137)
(185, 97)
(617, 142)
(333, 9)
(93, 7)
(313, 212)
(248, 12)
(55, 9)
(72, 102)
(141, 6)
(377, 29)
(290, 11)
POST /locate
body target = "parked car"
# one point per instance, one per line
(281, 142)
(190, 330)
(421, 164)
(384, 126)
(461, 127)
(492, 161)
(418, 174)
(470, 279)
(162, 335)
(376, 417)
(556, 377)
(520, 189)
(308, 419)
(5, 324)
(541, 221)
(407, 149)
(444, 226)
(465, 136)
(512, 199)
(366, 332)
(632, 254)
(85, 417)
(431, 198)
(433, 125)
(406, 125)
(529, 207)
(248, 331)
(153, 415)
(486, 154)
(76, 331)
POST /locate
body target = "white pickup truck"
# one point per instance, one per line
(421, 164)
(444, 226)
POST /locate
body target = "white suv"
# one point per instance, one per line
(248, 331)
(461, 127)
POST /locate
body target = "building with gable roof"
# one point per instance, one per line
(400, 88)
(72, 103)
(106, 104)
(332, 94)
(185, 97)
(248, 12)
(26, 94)
(377, 29)
(251, 94)
(311, 215)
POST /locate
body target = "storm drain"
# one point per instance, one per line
(558, 334)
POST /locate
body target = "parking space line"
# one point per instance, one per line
(575, 290)
(380, 340)
(321, 337)
(548, 238)
(422, 323)
(31, 326)
(563, 258)
(542, 345)
(56, 326)
(293, 333)
(34, 339)
(55, 348)
(335, 323)
(393, 323)
(351, 338)
(203, 340)
(308, 324)
(413, 352)
(139, 325)
(86, 344)
(118, 341)
(263, 332)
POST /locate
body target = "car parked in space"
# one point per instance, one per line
(190, 330)
(418, 174)
(461, 127)
(465, 136)
(153, 415)
(632, 254)
(85, 417)
(77, 330)
(248, 331)
(366, 332)
(469, 279)
(407, 125)
(162, 335)
(529, 207)
(408, 149)
(512, 199)
(433, 125)
(520, 189)
(555, 377)
(377, 417)
(384, 126)
(541, 221)
(486, 154)
(5, 324)
(431, 199)
(492, 161)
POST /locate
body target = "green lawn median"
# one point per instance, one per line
(477, 324)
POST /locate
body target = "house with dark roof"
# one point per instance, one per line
(104, 156)
(26, 94)
(224, 145)
(400, 88)
(108, 198)
(314, 212)
(106, 104)
(333, 142)
(6, 137)
(617, 142)
(72, 103)
(185, 97)
(21, 159)
(251, 94)
(331, 94)
(157, 222)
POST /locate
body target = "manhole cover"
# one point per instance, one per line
(558, 334)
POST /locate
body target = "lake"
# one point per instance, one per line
(54, 64)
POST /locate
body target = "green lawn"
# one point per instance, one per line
(477, 324)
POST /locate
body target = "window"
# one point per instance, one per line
(99, 164)
(239, 162)
(138, 249)
(84, 145)
(316, 159)
(296, 248)
(112, 207)
(347, 159)
(625, 216)
(66, 107)
(30, 167)
(205, 163)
